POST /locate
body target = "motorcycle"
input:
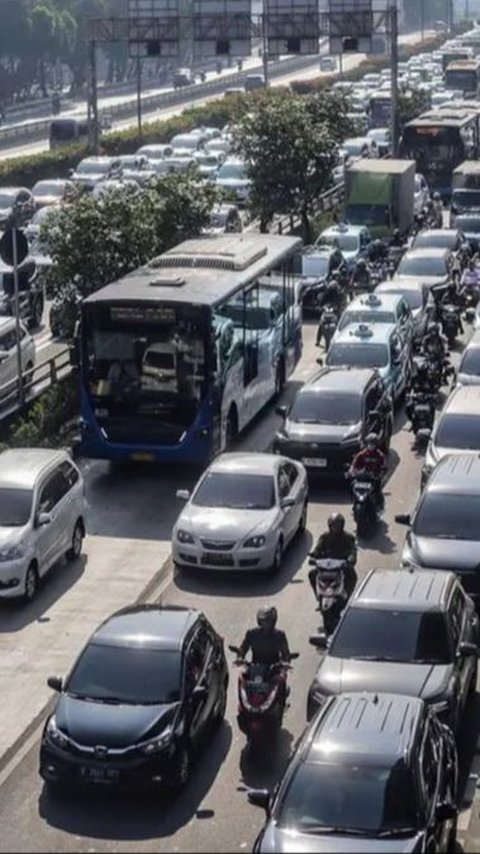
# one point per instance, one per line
(328, 324)
(330, 591)
(311, 295)
(420, 411)
(366, 508)
(262, 693)
(450, 322)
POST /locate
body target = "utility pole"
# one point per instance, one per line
(394, 70)
(265, 47)
(422, 19)
(139, 95)
(93, 112)
(18, 340)
(340, 65)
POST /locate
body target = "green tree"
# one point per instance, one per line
(290, 144)
(410, 104)
(95, 241)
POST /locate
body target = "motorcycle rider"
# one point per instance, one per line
(396, 241)
(437, 205)
(378, 252)
(338, 544)
(435, 343)
(333, 296)
(268, 645)
(361, 275)
(454, 296)
(372, 461)
(470, 275)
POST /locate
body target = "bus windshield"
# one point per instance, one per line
(433, 148)
(466, 80)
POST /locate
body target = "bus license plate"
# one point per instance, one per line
(142, 458)
(315, 462)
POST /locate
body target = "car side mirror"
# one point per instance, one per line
(259, 798)
(234, 649)
(285, 503)
(446, 811)
(294, 656)
(465, 650)
(319, 641)
(281, 410)
(402, 518)
(183, 494)
(319, 362)
(199, 692)
(55, 682)
(43, 519)
(3, 355)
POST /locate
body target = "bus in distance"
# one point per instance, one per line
(464, 75)
(380, 109)
(177, 358)
(68, 131)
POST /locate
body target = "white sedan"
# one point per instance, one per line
(242, 514)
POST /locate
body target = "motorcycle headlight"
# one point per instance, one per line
(254, 543)
(184, 537)
(55, 735)
(11, 553)
(155, 745)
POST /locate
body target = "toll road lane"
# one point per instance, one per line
(131, 519)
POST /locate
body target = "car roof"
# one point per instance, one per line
(340, 379)
(407, 283)
(149, 626)
(379, 333)
(463, 400)
(456, 473)
(346, 228)
(370, 729)
(435, 232)
(21, 467)
(427, 252)
(408, 589)
(375, 302)
(246, 463)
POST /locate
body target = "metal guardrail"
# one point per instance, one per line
(37, 130)
(34, 381)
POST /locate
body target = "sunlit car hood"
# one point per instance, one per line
(321, 433)
(442, 553)
(114, 726)
(276, 840)
(339, 675)
(11, 536)
(423, 280)
(435, 453)
(468, 379)
(224, 523)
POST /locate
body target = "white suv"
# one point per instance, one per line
(42, 516)
(8, 352)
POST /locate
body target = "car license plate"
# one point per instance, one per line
(215, 559)
(99, 775)
(142, 458)
(315, 462)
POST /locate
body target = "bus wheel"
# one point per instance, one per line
(279, 378)
(231, 432)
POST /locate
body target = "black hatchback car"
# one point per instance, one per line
(148, 686)
(331, 416)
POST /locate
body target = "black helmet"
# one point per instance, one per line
(267, 617)
(372, 439)
(378, 244)
(437, 197)
(336, 523)
(396, 232)
(432, 327)
(361, 263)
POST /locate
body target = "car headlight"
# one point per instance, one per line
(159, 743)
(11, 553)
(55, 735)
(254, 543)
(184, 537)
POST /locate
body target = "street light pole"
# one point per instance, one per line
(139, 95)
(265, 47)
(422, 19)
(394, 74)
(18, 339)
(93, 127)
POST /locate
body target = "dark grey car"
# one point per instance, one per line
(404, 632)
(372, 773)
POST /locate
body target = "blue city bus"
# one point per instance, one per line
(178, 357)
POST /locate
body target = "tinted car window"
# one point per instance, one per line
(459, 431)
(442, 240)
(429, 266)
(70, 473)
(470, 363)
(48, 495)
(366, 316)
(348, 796)
(359, 355)
(15, 507)
(387, 635)
(448, 516)
(325, 407)
(240, 491)
(127, 674)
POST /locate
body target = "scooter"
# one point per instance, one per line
(262, 693)
(420, 410)
(328, 324)
(450, 322)
(330, 590)
(366, 507)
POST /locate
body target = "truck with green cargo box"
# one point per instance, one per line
(379, 193)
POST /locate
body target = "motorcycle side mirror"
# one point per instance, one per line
(319, 641)
(294, 655)
(402, 518)
(234, 649)
(319, 362)
(259, 798)
(281, 410)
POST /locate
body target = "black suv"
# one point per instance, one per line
(331, 416)
(373, 772)
(148, 686)
(403, 631)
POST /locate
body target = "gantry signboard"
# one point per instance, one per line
(153, 28)
(292, 26)
(350, 25)
(222, 28)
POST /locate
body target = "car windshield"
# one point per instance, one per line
(389, 635)
(7, 200)
(127, 674)
(414, 298)
(365, 316)
(470, 363)
(354, 148)
(459, 431)
(326, 407)
(92, 168)
(438, 240)
(184, 142)
(206, 160)
(358, 355)
(448, 516)
(232, 170)
(468, 224)
(235, 491)
(346, 796)
(47, 188)
(422, 266)
(15, 507)
(345, 242)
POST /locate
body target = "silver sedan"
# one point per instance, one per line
(242, 514)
